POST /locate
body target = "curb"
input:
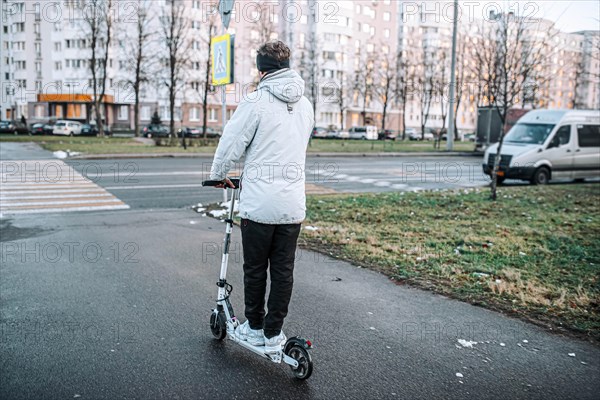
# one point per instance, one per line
(200, 155)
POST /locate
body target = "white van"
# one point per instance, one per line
(549, 144)
(368, 132)
(69, 128)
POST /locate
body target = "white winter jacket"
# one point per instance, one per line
(271, 127)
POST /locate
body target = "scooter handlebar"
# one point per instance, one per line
(235, 181)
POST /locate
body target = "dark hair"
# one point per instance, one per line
(275, 49)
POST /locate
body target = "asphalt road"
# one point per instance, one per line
(115, 305)
(175, 182)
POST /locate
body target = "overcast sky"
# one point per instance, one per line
(570, 16)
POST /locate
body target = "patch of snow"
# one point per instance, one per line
(199, 210)
(522, 254)
(218, 213)
(226, 205)
(466, 343)
(60, 154)
(571, 354)
(311, 228)
(459, 375)
(502, 344)
(525, 341)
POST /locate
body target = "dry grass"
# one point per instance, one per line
(534, 253)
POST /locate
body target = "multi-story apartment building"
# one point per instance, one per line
(340, 48)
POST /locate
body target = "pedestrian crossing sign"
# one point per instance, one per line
(221, 48)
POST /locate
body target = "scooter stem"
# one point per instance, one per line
(226, 243)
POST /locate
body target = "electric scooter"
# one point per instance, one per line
(223, 321)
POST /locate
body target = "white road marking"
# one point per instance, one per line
(152, 187)
(29, 187)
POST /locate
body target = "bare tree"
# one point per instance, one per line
(341, 96)
(461, 68)
(364, 80)
(441, 89)
(578, 66)
(386, 78)
(262, 27)
(310, 62)
(140, 64)
(97, 26)
(508, 57)
(174, 34)
(265, 23)
(426, 84)
(404, 77)
(211, 25)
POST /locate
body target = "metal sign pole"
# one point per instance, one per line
(450, 135)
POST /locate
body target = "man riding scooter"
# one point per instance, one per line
(271, 127)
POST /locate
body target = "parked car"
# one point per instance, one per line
(107, 130)
(14, 127)
(189, 132)
(40, 128)
(154, 130)
(416, 135)
(387, 134)
(469, 137)
(368, 132)
(549, 144)
(68, 128)
(197, 132)
(319, 132)
(92, 130)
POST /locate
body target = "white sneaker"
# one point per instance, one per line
(244, 333)
(275, 344)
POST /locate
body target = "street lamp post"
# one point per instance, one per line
(452, 116)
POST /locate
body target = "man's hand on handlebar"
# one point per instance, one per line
(227, 182)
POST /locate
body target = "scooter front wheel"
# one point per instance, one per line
(305, 364)
(218, 327)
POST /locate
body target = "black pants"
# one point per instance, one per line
(270, 247)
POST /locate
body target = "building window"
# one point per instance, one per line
(212, 115)
(123, 113)
(386, 33)
(387, 16)
(194, 114)
(39, 111)
(166, 114)
(145, 113)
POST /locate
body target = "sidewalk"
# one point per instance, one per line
(309, 154)
(23, 151)
(134, 324)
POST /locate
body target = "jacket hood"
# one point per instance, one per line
(285, 84)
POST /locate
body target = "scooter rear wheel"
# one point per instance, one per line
(305, 365)
(218, 326)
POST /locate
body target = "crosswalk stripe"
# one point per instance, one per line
(24, 190)
(54, 193)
